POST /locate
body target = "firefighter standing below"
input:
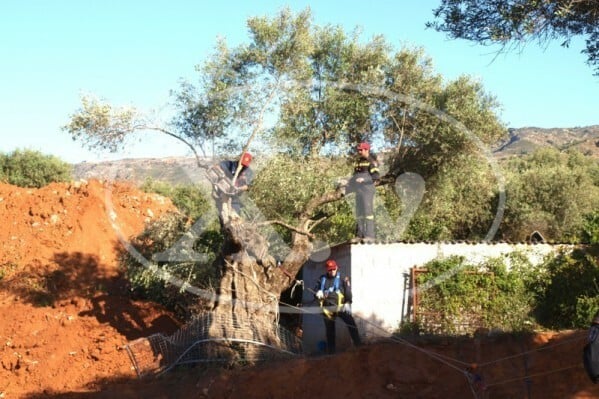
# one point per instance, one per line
(366, 174)
(335, 299)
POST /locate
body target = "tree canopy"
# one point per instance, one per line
(305, 90)
(552, 192)
(300, 97)
(517, 22)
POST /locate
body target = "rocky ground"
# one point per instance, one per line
(65, 317)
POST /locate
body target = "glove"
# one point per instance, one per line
(234, 192)
(319, 294)
(346, 308)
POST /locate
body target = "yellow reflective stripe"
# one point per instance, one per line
(326, 311)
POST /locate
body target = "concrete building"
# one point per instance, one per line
(380, 276)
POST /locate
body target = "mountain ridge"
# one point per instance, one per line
(184, 170)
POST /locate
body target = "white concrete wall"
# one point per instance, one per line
(379, 275)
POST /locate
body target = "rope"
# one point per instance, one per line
(475, 380)
(472, 381)
(533, 375)
(527, 379)
(431, 354)
(582, 336)
(298, 283)
(437, 356)
(466, 364)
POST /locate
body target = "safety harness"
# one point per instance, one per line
(334, 288)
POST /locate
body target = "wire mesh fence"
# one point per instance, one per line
(211, 338)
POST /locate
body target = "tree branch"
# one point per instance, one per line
(314, 203)
(257, 127)
(286, 225)
(401, 129)
(188, 144)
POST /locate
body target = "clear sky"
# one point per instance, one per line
(133, 52)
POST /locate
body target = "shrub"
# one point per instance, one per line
(455, 297)
(26, 168)
(568, 289)
(190, 200)
(167, 257)
(590, 229)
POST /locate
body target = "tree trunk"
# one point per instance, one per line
(247, 304)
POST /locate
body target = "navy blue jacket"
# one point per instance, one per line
(331, 297)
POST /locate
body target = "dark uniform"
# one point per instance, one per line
(367, 169)
(243, 179)
(336, 294)
(590, 352)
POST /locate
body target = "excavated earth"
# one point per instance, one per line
(66, 316)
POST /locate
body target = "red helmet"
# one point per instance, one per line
(246, 159)
(331, 265)
(364, 146)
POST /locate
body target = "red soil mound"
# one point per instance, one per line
(65, 317)
(64, 311)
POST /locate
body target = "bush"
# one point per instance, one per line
(166, 258)
(590, 229)
(32, 169)
(560, 293)
(567, 289)
(190, 200)
(458, 298)
(172, 254)
(551, 192)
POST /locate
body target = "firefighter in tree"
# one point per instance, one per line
(228, 182)
(366, 174)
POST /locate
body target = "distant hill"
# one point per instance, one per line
(175, 170)
(180, 170)
(525, 140)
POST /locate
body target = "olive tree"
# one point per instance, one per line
(513, 23)
(551, 192)
(308, 93)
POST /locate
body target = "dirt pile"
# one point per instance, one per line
(64, 310)
(65, 316)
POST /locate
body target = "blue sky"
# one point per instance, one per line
(133, 52)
